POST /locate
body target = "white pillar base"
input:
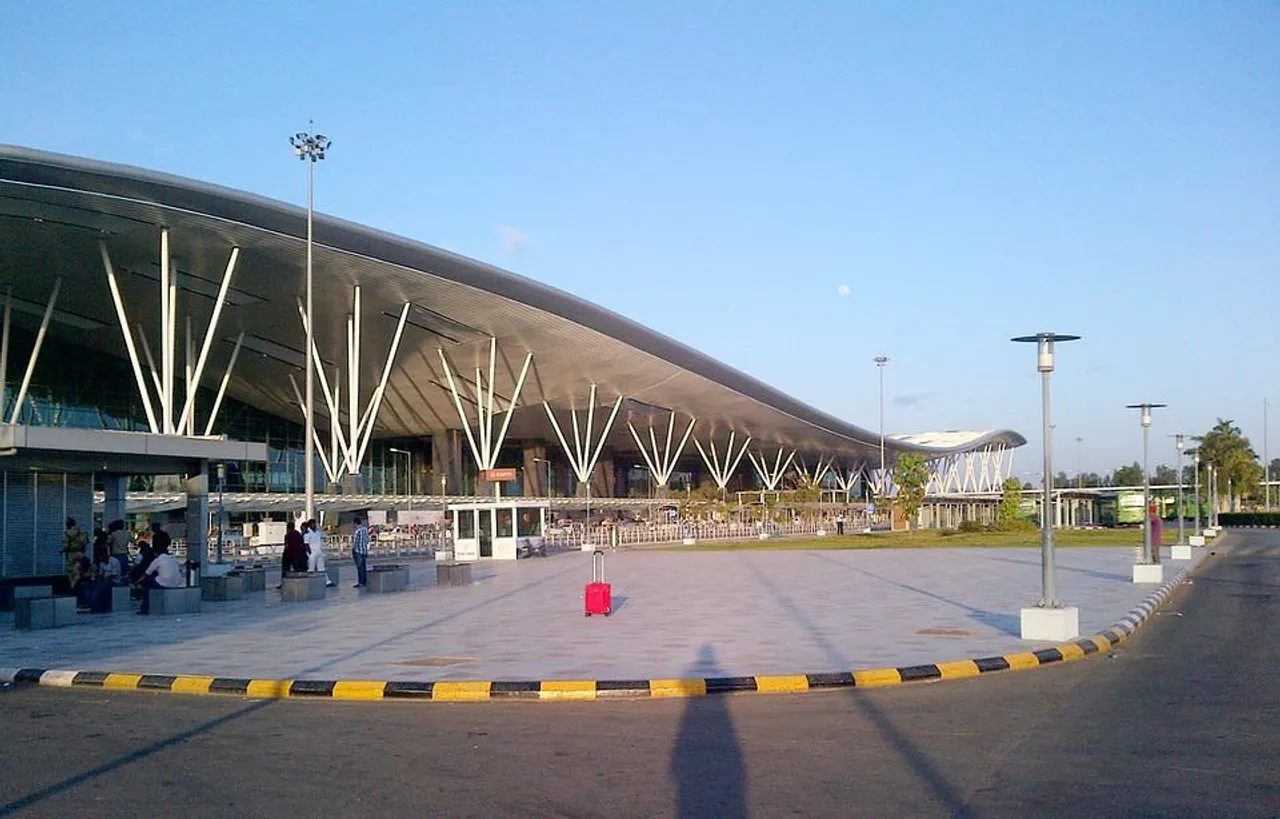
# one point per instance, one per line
(1054, 625)
(689, 541)
(1196, 540)
(764, 536)
(1210, 532)
(1148, 573)
(1181, 552)
(821, 533)
(588, 547)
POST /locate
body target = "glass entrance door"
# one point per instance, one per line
(486, 532)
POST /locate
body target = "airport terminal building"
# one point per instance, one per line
(155, 326)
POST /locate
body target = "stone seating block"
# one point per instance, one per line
(44, 612)
(182, 600)
(9, 595)
(453, 574)
(334, 573)
(222, 589)
(253, 580)
(384, 579)
(299, 587)
(120, 599)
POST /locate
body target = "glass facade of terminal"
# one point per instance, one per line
(73, 386)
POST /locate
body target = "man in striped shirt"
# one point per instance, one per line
(360, 550)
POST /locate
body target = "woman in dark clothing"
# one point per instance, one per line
(294, 557)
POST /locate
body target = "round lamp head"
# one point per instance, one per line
(1044, 347)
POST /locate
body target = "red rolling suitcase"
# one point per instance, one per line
(599, 594)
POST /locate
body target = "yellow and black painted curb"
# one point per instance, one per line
(478, 690)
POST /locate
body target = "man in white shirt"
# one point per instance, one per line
(315, 549)
(165, 572)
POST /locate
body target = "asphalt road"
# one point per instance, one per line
(1183, 720)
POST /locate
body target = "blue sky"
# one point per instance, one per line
(718, 170)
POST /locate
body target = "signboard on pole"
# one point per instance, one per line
(498, 475)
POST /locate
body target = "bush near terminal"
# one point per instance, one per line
(936, 539)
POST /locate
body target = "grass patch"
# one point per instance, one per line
(933, 539)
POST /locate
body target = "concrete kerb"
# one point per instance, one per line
(577, 690)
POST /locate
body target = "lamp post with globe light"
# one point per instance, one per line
(1149, 570)
(1048, 619)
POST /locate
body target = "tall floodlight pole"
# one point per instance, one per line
(1178, 441)
(881, 361)
(222, 481)
(1149, 555)
(1048, 579)
(310, 148)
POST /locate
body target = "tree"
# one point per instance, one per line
(1010, 500)
(1165, 475)
(1226, 449)
(1130, 475)
(911, 474)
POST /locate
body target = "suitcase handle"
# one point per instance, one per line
(597, 566)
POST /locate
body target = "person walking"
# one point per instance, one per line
(315, 549)
(74, 544)
(360, 551)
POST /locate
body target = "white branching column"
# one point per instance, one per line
(846, 478)
(814, 477)
(586, 446)
(722, 469)
(485, 445)
(21, 397)
(662, 462)
(771, 476)
(347, 448)
(173, 419)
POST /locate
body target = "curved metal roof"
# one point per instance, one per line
(54, 209)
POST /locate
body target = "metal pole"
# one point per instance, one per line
(35, 352)
(1266, 462)
(1146, 491)
(1079, 474)
(1197, 480)
(309, 446)
(1181, 516)
(222, 477)
(881, 361)
(1049, 580)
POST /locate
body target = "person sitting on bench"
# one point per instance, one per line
(165, 572)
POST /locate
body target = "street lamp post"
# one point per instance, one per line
(1150, 551)
(1179, 441)
(310, 148)
(409, 476)
(1079, 474)
(1196, 466)
(1049, 619)
(882, 361)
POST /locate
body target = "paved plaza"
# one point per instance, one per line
(676, 614)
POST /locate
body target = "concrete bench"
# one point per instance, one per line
(221, 589)
(120, 599)
(44, 612)
(253, 579)
(334, 573)
(453, 574)
(182, 600)
(9, 595)
(299, 587)
(387, 578)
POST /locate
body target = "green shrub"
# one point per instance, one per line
(1249, 518)
(970, 527)
(1014, 525)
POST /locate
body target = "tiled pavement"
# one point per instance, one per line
(750, 612)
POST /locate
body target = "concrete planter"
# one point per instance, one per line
(221, 589)
(185, 600)
(302, 587)
(10, 595)
(44, 612)
(253, 580)
(453, 574)
(386, 579)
